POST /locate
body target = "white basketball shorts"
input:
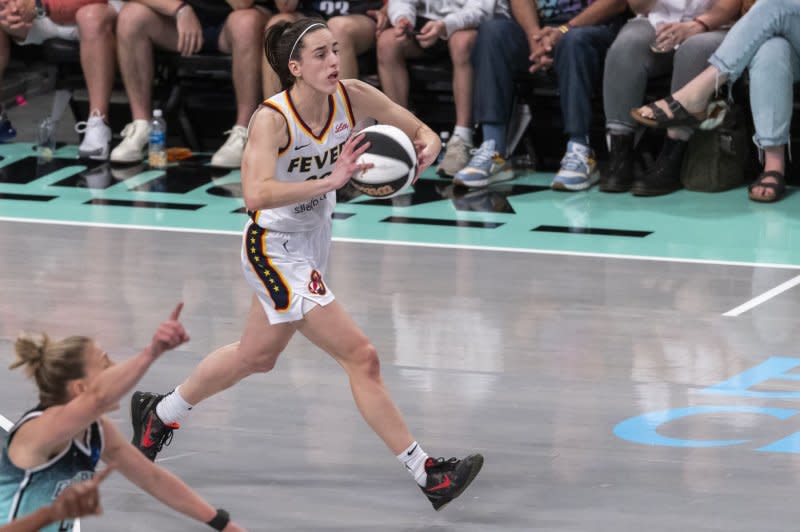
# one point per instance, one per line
(287, 269)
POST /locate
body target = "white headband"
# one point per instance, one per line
(301, 36)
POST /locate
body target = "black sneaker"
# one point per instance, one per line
(150, 434)
(448, 478)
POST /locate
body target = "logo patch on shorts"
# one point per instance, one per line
(316, 286)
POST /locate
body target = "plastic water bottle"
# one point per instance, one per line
(47, 139)
(157, 151)
(444, 136)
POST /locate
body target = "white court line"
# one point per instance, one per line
(766, 296)
(5, 423)
(534, 251)
(175, 457)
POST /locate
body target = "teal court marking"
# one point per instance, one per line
(522, 215)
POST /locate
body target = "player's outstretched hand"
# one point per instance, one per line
(169, 335)
(347, 164)
(80, 499)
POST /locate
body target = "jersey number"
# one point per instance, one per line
(334, 8)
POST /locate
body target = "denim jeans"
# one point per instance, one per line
(501, 52)
(767, 41)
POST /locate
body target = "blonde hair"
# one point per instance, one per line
(51, 364)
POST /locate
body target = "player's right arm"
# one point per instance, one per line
(38, 439)
(268, 135)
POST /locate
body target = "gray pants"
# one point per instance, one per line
(630, 63)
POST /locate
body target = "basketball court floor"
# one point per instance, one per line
(622, 363)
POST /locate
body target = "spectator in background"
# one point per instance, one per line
(92, 23)
(432, 29)
(569, 36)
(234, 27)
(766, 41)
(355, 25)
(668, 35)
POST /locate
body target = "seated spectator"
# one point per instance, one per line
(355, 25)
(432, 30)
(669, 35)
(189, 27)
(77, 500)
(572, 37)
(62, 440)
(766, 40)
(92, 24)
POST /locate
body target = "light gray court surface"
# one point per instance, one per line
(530, 359)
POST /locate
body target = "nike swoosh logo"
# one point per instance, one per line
(146, 441)
(412, 450)
(303, 146)
(442, 485)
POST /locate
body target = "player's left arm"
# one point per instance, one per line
(369, 102)
(155, 480)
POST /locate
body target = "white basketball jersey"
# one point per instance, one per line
(307, 156)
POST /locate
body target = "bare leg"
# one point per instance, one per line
(256, 352)
(774, 160)
(96, 25)
(356, 35)
(392, 69)
(241, 37)
(333, 330)
(140, 27)
(460, 44)
(270, 83)
(694, 95)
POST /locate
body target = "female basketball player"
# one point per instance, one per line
(300, 151)
(61, 440)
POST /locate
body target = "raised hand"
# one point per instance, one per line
(169, 335)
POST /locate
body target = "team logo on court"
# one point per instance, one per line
(316, 286)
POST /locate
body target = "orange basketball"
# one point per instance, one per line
(63, 11)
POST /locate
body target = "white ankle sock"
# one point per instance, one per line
(414, 460)
(463, 132)
(173, 408)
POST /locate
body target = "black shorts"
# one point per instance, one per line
(336, 8)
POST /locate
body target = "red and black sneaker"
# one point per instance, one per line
(150, 434)
(447, 479)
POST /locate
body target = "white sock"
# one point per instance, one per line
(173, 408)
(463, 132)
(414, 460)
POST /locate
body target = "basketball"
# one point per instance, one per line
(394, 161)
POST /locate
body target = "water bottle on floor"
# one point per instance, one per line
(46, 144)
(157, 150)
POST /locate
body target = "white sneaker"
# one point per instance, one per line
(96, 137)
(230, 154)
(135, 137)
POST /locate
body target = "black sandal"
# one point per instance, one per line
(680, 116)
(778, 189)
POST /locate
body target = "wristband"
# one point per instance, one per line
(220, 520)
(705, 26)
(181, 6)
